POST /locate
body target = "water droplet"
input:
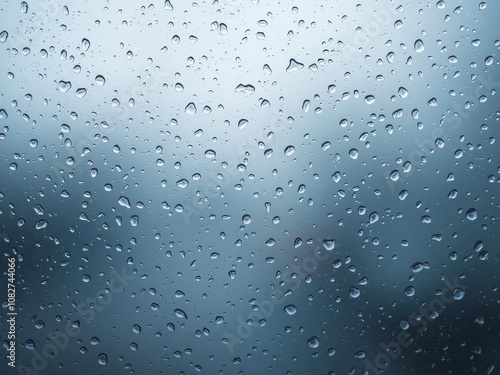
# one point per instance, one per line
(353, 153)
(410, 291)
(210, 154)
(191, 109)
(85, 44)
(81, 92)
(182, 183)
(64, 86)
(3, 36)
(290, 309)
(100, 80)
(294, 65)
(102, 359)
(458, 294)
(289, 150)
(419, 46)
(242, 123)
(136, 328)
(41, 224)
(168, 5)
(354, 292)
(373, 217)
(313, 342)
(180, 313)
(360, 355)
(329, 244)
(471, 214)
(124, 202)
(369, 99)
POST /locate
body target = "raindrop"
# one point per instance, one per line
(3, 36)
(24, 7)
(289, 150)
(313, 342)
(124, 202)
(64, 86)
(210, 154)
(85, 44)
(471, 214)
(419, 46)
(458, 294)
(290, 309)
(102, 359)
(329, 244)
(294, 65)
(100, 80)
(191, 109)
(180, 313)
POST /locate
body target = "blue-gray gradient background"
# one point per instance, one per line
(223, 153)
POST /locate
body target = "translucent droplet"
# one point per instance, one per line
(168, 5)
(329, 244)
(134, 220)
(102, 359)
(136, 328)
(182, 183)
(41, 224)
(369, 99)
(100, 80)
(191, 109)
(373, 217)
(353, 153)
(294, 65)
(458, 294)
(419, 46)
(85, 44)
(410, 291)
(290, 309)
(124, 202)
(471, 214)
(313, 342)
(180, 313)
(210, 154)
(64, 86)
(81, 92)
(289, 150)
(354, 292)
(3, 36)
(242, 123)
(24, 7)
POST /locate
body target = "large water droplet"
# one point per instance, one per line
(419, 46)
(102, 359)
(313, 342)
